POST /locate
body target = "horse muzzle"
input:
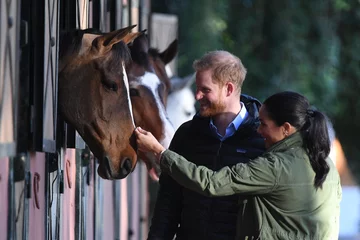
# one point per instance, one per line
(106, 171)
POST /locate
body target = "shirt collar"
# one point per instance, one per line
(233, 126)
(240, 117)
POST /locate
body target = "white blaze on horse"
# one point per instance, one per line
(149, 86)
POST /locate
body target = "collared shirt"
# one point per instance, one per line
(233, 126)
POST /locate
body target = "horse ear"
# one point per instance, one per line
(109, 39)
(190, 79)
(178, 83)
(168, 54)
(130, 37)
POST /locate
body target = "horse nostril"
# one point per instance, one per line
(126, 167)
(107, 168)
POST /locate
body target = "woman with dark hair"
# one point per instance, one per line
(295, 185)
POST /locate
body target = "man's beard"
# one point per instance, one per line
(212, 109)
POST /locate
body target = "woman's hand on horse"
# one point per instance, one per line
(146, 142)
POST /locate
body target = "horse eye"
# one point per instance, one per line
(134, 92)
(111, 85)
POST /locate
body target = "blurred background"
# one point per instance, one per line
(311, 47)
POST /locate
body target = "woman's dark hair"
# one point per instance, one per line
(295, 109)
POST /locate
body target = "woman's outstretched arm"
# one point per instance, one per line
(259, 176)
(256, 177)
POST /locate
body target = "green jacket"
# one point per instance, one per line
(287, 204)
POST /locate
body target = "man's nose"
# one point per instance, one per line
(198, 95)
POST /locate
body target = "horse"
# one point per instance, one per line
(149, 87)
(181, 100)
(159, 61)
(93, 96)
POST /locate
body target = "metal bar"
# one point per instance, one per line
(130, 12)
(111, 6)
(99, 208)
(60, 188)
(96, 13)
(116, 190)
(37, 72)
(27, 195)
(84, 172)
(17, 67)
(23, 134)
(144, 214)
(48, 190)
(78, 197)
(95, 200)
(119, 14)
(74, 140)
(11, 202)
(38, 75)
(141, 6)
(68, 14)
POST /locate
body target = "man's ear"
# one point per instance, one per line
(230, 88)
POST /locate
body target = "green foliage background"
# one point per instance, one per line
(312, 47)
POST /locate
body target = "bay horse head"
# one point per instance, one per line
(149, 88)
(94, 96)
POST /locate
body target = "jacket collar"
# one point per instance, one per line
(294, 140)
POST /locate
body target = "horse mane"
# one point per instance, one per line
(139, 52)
(140, 57)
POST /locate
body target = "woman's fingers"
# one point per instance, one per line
(140, 130)
(146, 142)
(143, 139)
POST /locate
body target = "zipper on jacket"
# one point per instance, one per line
(217, 156)
(212, 205)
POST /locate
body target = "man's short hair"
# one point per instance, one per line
(225, 67)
